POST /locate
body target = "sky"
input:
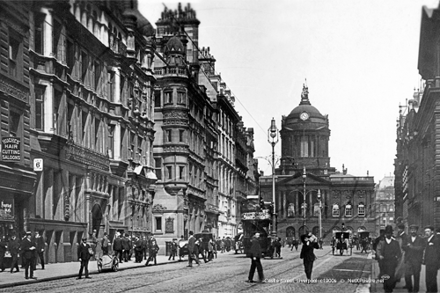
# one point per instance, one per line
(359, 59)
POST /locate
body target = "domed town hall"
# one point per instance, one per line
(305, 182)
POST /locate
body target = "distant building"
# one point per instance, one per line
(384, 205)
(305, 173)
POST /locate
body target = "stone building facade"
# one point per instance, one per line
(88, 120)
(197, 129)
(417, 172)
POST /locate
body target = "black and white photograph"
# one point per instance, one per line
(219, 146)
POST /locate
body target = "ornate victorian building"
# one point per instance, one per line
(17, 177)
(83, 112)
(186, 140)
(307, 184)
(197, 129)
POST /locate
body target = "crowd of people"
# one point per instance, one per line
(24, 253)
(401, 256)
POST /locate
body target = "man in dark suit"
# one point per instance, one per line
(191, 249)
(84, 257)
(310, 243)
(432, 259)
(14, 249)
(117, 247)
(28, 248)
(126, 247)
(41, 245)
(3, 248)
(389, 254)
(255, 255)
(413, 246)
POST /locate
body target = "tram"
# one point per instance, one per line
(256, 217)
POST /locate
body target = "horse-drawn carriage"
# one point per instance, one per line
(342, 243)
(204, 238)
(239, 243)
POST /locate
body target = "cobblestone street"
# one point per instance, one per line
(227, 273)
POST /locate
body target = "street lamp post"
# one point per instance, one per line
(272, 138)
(320, 217)
(304, 175)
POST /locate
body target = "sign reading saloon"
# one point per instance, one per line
(11, 149)
(263, 215)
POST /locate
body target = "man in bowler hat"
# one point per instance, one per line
(389, 253)
(84, 257)
(310, 243)
(413, 246)
(255, 254)
(432, 259)
(28, 247)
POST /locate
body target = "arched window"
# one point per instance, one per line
(335, 210)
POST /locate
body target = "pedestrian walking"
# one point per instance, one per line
(211, 246)
(3, 248)
(432, 259)
(125, 247)
(28, 247)
(14, 249)
(152, 252)
(277, 247)
(255, 255)
(191, 249)
(375, 244)
(117, 247)
(41, 245)
(94, 244)
(309, 243)
(389, 254)
(105, 243)
(84, 257)
(138, 249)
(413, 246)
(144, 247)
(223, 244)
(173, 251)
(401, 239)
(179, 248)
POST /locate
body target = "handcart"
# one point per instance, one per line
(108, 262)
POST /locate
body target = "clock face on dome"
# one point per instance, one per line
(304, 116)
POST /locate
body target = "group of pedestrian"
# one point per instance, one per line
(29, 250)
(197, 248)
(404, 255)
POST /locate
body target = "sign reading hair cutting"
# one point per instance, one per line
(11, 150)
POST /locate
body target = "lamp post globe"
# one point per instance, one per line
(272, 138)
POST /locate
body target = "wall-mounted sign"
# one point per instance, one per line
(38, 164)
(6, 209)
(11, 150)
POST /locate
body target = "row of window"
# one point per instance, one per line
(348, 211)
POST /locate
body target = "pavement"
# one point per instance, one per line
(57, 271)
